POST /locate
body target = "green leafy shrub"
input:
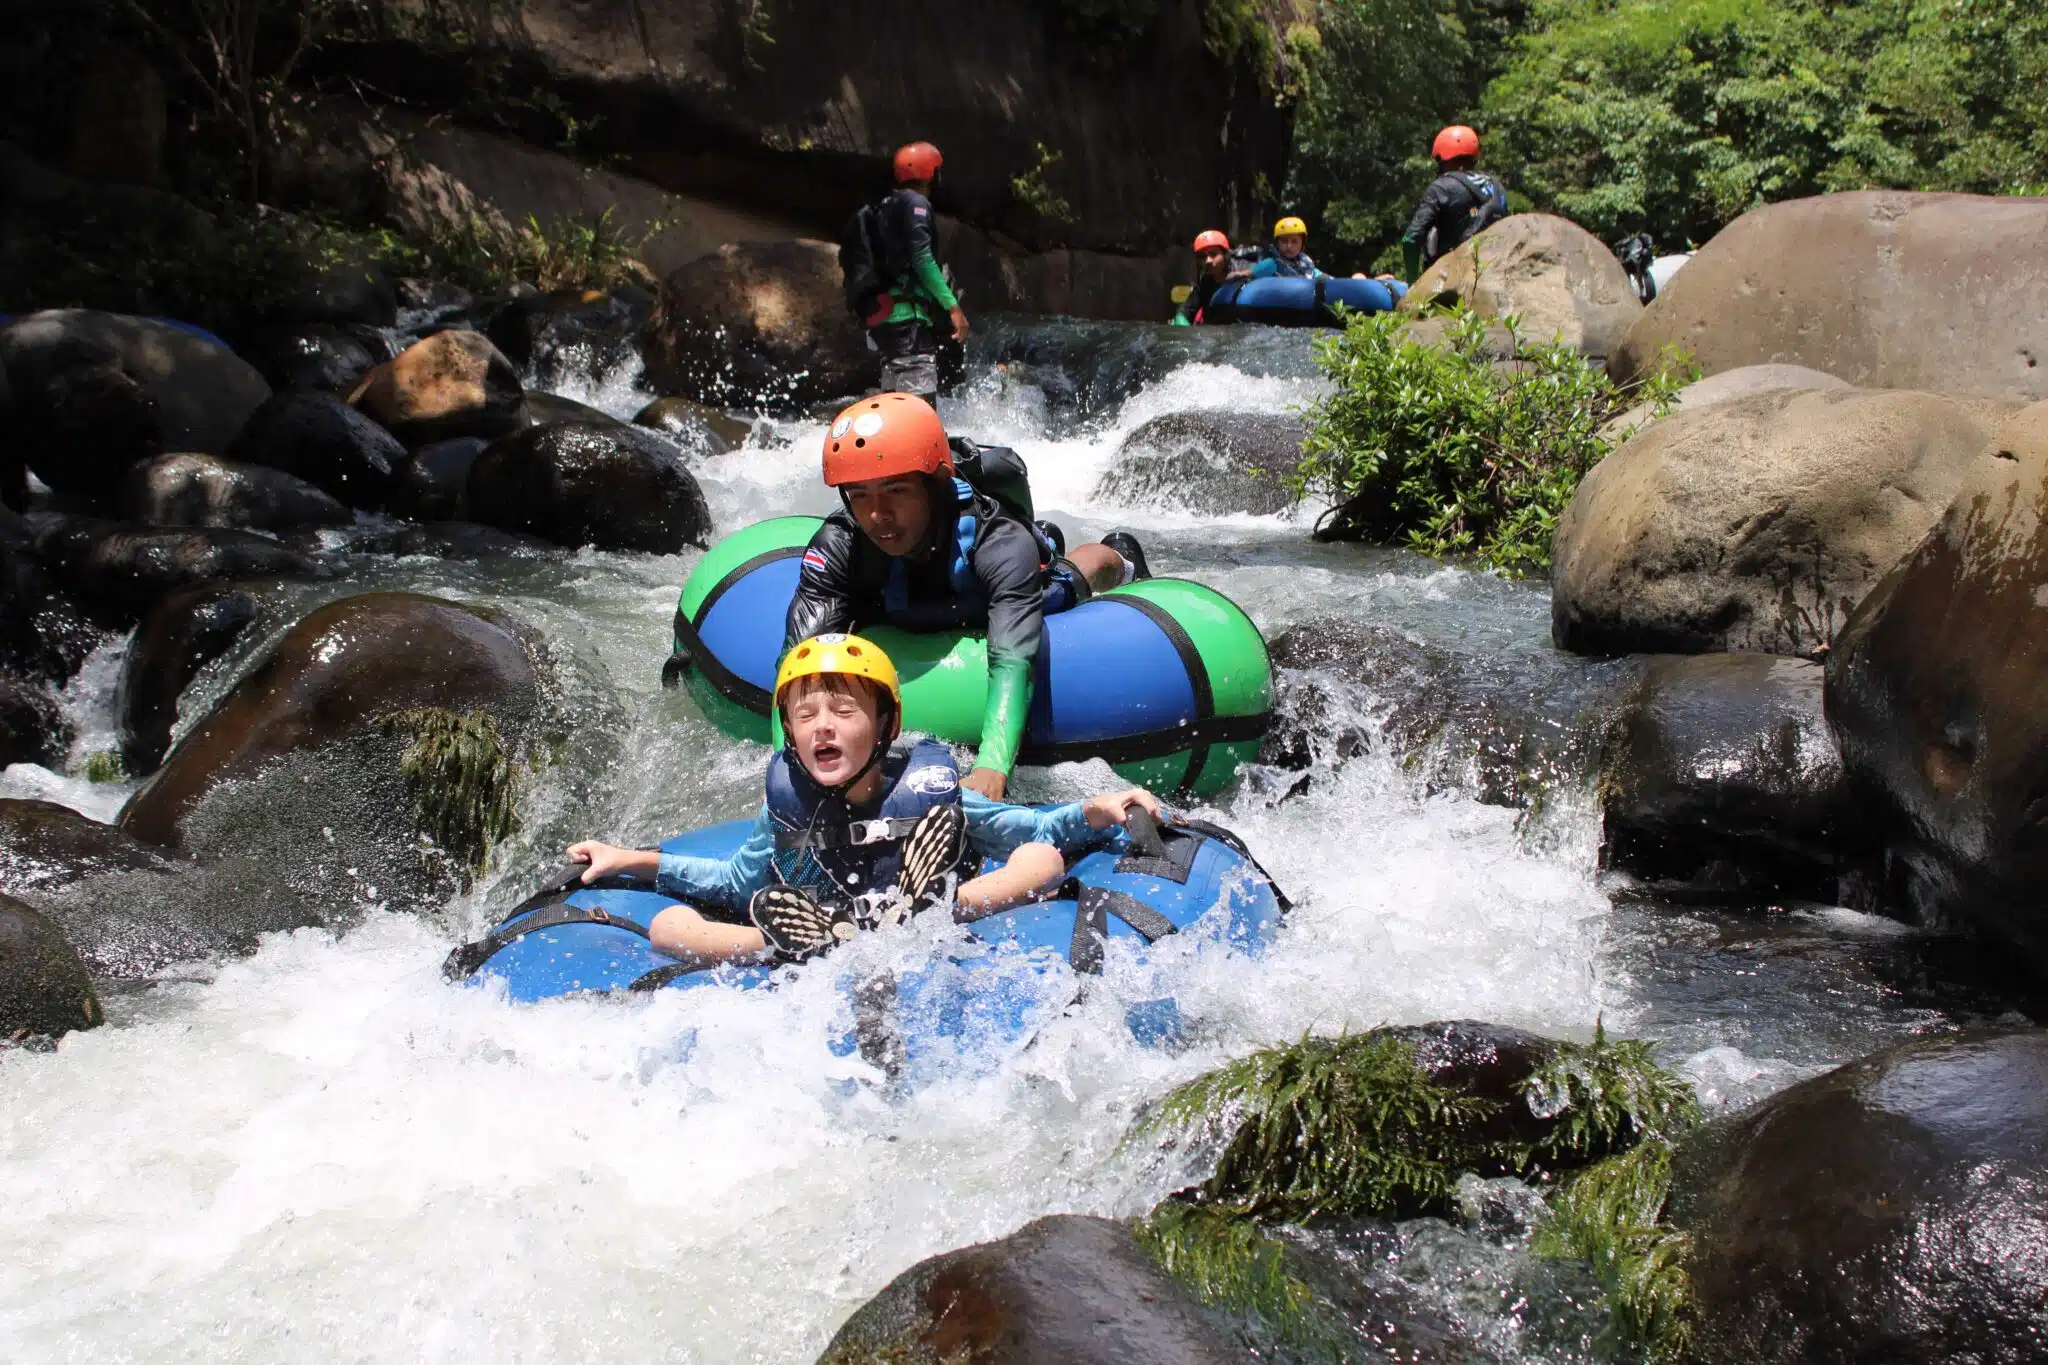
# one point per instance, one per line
(1438, 448)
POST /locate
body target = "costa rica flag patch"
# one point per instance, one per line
(814, 559)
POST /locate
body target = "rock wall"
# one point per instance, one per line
(787, 112)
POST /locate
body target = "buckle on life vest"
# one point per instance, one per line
(862, 832)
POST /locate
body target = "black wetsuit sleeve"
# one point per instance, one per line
(1006, 562)
(825, 587)
(1442, 202)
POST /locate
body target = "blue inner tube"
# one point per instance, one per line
(1293, 302)
(594, 939)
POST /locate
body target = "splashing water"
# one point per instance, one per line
(323, 1152)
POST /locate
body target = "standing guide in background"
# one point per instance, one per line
(893, 282)
(1459, 204)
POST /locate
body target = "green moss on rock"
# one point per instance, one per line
(463, 781)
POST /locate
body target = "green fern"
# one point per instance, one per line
(1609, 1216)
(462, 780)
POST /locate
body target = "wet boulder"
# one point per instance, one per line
(43, 632)
(578, 483)
(758, 322)
(698, 429)
(182, 634)
(84, 423)
(199, 391)
(375, 749)
(1077, 1290)
(326, 357)
(206, 490)
(32, 728)
(43, 844)
(1890, 1210)
(1561, 281)
(1213, 462)
(45, 991)
(1722, 780)
(321, 439)
(432, 484)
(451, 384)
(464, 540)
(1759, 523)
(1941, 292)
(1938, 692)
(550, 335)
(545, 409)
(119, 572)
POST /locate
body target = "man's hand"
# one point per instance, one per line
(959, 324)
(988, 782)
(606, 860)
(1114, 809)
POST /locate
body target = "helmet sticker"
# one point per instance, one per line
(839, 427)
(931, 781)
(867, 424)
(830, 638)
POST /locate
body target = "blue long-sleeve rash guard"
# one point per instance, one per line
(995, 829)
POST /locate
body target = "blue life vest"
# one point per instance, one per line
(833, 854)
(968, 605)
(1301, 267)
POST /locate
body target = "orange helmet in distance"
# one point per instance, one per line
(883, 437)
(917, 161)
(1212, 240)
(1456, 140)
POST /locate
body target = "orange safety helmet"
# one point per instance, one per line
(917, 161)
(885, 436)
(1211, 240)
(1454, 141)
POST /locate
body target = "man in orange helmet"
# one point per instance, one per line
(1459, 204)
(1214, 270)
(917, 300)
(919, 547)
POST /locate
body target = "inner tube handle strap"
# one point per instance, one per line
(1092, 907)
(464, 961)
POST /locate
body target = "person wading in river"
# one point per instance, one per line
(918, 546)
(893, 279)
(857, 830)
(1459, 204)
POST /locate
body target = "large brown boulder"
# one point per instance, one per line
(44, 989)
(451, 384)
(327, 706)
(1757, 524)
(1560, 280)
(1888, 1210)
(1067, 1289)
(759, 322)
(1938, 691)
(1943, 292)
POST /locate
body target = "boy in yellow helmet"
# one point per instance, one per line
(1287, 257)
(857, 830)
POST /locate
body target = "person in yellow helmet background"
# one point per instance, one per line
(858, 828)
(1287, 257)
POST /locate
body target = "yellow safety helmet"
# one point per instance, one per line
(1290, 226)
(849, 655)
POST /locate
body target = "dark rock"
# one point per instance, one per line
(1214, 462)
(1888, 1210)
(321, 439)
(45, 991)
(454, 540)
(547, 335)
(345, 284)
(32, 729)
(321, 695)
(615, 486)
(119, 572)
(202, 391)
(45, 844)
(1490, 1062)
(186, 631)
(546, 409)
(43, 633)
(13, 467)
(698, 429)
(436, 299)
(1938, 692)
(433, 483)
(1722, 780)
(451, 384)
(1067, 1289)
(206, 490)
(327, 357)
(759, 322)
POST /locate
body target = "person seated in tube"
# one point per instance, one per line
(915, 546)
(1214, 269)
(857, 830)
(1288, 257)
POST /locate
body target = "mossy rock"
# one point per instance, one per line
(45, 991)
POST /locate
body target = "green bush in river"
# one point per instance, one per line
(1438, 448)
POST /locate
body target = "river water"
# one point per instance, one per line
(322, 1152)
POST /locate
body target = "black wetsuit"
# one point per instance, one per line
(1457, 206)
(1198, 297)
(909, 338)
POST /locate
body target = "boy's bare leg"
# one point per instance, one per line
(680, 931)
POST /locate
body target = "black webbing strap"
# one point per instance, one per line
(673, 971)
(1093, 905)
(845, 836)
(464, 961)
(1230, 840)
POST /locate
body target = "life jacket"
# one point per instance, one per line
(1489, 204)
(1301, 267)
(967, 604)
(822, 848)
